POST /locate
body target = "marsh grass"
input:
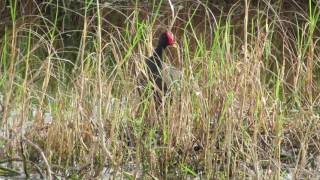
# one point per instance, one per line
(247, 105)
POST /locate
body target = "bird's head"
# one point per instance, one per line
(166, 39)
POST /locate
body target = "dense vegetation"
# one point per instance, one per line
(247, 104)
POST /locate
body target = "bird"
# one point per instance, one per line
(154, 67)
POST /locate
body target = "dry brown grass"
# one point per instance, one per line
(247, 105)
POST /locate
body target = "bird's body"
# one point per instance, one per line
(154, 67)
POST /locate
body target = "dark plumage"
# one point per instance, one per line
(154, 67)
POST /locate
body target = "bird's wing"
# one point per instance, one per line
(173, 78)
(171, 75)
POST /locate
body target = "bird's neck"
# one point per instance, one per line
(158, 55)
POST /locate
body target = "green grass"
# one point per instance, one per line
(247, 105)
